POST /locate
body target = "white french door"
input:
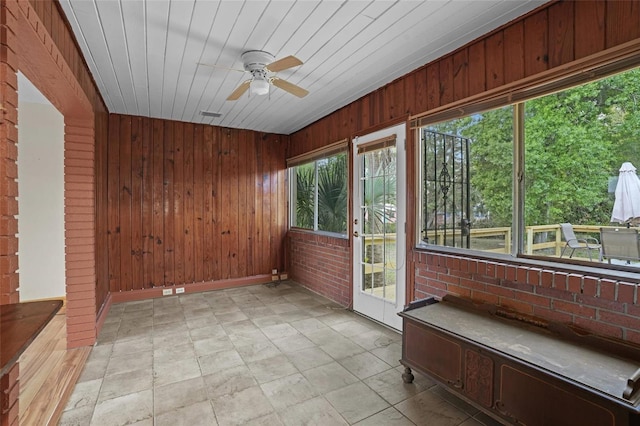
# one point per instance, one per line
(379, 216)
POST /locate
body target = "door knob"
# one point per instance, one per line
(355, 234)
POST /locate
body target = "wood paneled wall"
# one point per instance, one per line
(190, 203)
(539, 43)
(547, 38)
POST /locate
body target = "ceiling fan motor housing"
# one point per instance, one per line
(256, 60)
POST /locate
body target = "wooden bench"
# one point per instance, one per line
(522, 370)
(20, 323)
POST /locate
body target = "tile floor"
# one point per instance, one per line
(254, 355)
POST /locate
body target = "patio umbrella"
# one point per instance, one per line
(626, 208)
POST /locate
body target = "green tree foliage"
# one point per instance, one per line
(491, 160)
(380, 191)
(620, 96)
(568, 154)
(491, 156)
(575, 141)
(332, 194)
(305, 195)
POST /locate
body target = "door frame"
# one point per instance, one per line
(389, 310)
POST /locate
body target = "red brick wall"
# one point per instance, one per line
(79, 222)
(322, 264)
(9, 402)
(35, 36)
(601, 305)
(9, 384)
(62, 83)
(8, 156)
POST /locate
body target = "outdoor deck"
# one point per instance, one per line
(540, 240)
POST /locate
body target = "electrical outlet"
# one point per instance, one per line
(179, 290)
(166, 292)
(274, 272)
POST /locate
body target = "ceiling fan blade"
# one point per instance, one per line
(235, 95)
(220, 66)
(289, 87)
(284, 63)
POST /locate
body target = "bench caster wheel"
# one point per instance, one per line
(407, 376)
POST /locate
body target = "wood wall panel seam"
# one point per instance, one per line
(168, 195)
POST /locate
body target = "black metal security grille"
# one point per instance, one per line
(446, 200)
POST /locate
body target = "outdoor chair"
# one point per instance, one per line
(588, 243)
(620, 243)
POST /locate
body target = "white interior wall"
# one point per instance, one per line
(40, 195)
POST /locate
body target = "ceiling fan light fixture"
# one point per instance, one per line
(259, 86)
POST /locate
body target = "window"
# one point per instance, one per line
(573, 144)
(466, 181)
(319, 196)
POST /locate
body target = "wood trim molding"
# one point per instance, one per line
(104, 312)
(377, 144)
(325, 151)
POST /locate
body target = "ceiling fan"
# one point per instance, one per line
(261, 64)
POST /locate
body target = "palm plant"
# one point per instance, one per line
(333, 195)
(305, 187)
(380, 192)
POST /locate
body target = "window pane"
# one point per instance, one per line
(332, 194)
(467, 182)
(304, 195)
(575, 144)
(319, 195)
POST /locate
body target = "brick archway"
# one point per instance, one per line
(26, 45)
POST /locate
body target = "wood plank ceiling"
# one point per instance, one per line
(147, 56)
